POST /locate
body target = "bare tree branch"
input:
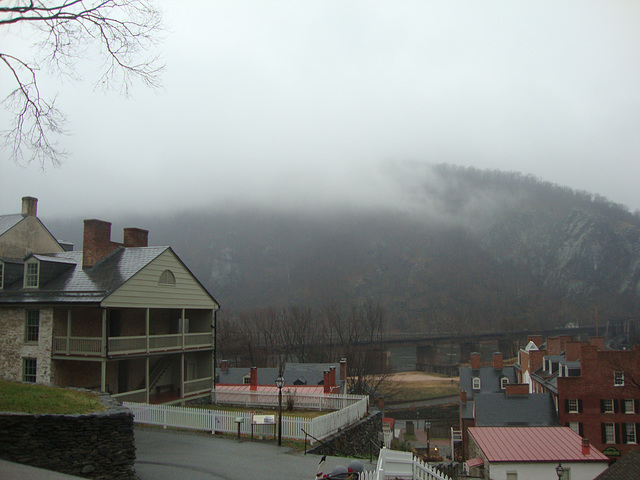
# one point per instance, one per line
(120, 32)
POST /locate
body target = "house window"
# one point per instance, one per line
(29, 368)
(608, 406)
(31, 274)
(167, 278)
(476, 383)
(512, 475)
(618, 379)
(630, 431)
(246, 380)
(575, 426)
(572, 405)
(503, 382)
(629, 405)
(609, 431)
(32, 326)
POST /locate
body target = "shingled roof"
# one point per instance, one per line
(84, 285)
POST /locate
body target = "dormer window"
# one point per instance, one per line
(503, 382)
(31, 273)
(476, 383)
(246, 380)
(167, 278)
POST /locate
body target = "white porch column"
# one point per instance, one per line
(146, 332)
(182, 374)
(103, 375)
(183, 328)
(146, 380)
(68, 331)
(104, 332)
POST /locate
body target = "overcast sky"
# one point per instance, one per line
(309, 102)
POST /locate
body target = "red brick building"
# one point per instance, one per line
(596, 391)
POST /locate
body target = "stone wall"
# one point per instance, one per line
(96, 446)
(353, 441)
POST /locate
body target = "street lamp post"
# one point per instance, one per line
(560, 470)
(280, 384)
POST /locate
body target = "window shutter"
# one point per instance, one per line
(624, 432)
(603, 433)
(623, 407)
(616, 429)
(601, 405)
(566, 405)
(579, 406)
(615, 406)
(580, 430)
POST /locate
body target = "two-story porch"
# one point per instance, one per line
(153, 355)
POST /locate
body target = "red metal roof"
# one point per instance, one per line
(475, 462)
(532, 444)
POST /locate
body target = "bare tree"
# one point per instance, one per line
(119, 32)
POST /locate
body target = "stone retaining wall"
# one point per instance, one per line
(353, 441)
(97, 446)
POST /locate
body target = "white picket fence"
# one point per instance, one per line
(227, 422)
(393, 464)
(300, 399)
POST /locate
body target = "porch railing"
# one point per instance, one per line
(92, 346)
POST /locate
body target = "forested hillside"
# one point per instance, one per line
(460, 248)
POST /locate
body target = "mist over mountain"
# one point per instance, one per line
(442, 248)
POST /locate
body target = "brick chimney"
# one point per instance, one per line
(326, 381)
(224, 366)
(332, 376)
(572, 351)
(254, 378)
(136, 237)
(512, 389)
(597, 341)
(463, 396)
(343, 369)
(586, 447)
(554, 346)
(476, 360)
(497, 361)
(96, 242)
(29, 207)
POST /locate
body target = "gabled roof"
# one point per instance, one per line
(533, 444)
(489, 379)
(7, 222)
(79, 285)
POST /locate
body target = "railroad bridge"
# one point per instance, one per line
(445, 352)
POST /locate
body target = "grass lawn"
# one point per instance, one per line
(409, 388)
(40, 399)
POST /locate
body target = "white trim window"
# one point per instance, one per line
(29, 370)
(608, 406)
(630, 430)
(31, 273)
(504, 381)
(32, 326)
(629, 405)
(609, 433)
(476, 383)
(573, 405)
(167, 278)
(618, 379)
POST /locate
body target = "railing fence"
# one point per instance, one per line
(228, 422)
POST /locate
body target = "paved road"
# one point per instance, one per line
(171, 455)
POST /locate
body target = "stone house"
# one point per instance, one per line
(123, 318)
